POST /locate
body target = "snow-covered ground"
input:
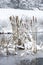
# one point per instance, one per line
(5, 13)
(5, 25)
(22, 56)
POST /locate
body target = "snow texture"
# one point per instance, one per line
(23, 15)
(25, 29)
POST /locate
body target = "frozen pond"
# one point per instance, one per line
(26, 59)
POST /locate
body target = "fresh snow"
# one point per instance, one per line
(5, 25)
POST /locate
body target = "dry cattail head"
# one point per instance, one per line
(31, 22)
(33, 18)
(12, 18)
(16, 19)
(21, 21)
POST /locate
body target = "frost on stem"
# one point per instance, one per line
(15, 23)
(34, 34)
(21, 28)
